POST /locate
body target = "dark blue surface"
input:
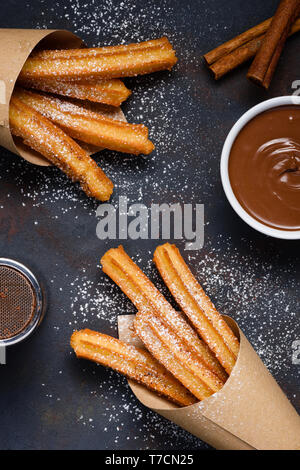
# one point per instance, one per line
(48, 399)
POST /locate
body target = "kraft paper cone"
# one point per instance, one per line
(250, 412)
(15, 47)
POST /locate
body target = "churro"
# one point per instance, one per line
(146, 297)
(90, 127)
(102, 62)
(43, 136)
(206, 381)
(111, 92)
(196, 305)
(133, 362)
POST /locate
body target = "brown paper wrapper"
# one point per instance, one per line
(250, 412)
(15, 47)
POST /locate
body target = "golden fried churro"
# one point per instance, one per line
(103, 62)
(162, 353)
(135, 284)
(88, 126)
(133, 362)
(209, 383)
(196, 305)
(41, 135)
(112, 92)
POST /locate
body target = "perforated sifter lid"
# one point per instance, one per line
(21, 302)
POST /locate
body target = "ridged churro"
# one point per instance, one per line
(133, 362)
(196, 305)
(43, 136)
(206, 381)
(112, 92)
(90, 127)
(146, 297)
(102, 62)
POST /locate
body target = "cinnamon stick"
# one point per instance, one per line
(238, 50)
(237, 57)
(266, 59)
(237, 42)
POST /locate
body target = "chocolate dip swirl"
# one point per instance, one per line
(264, 167)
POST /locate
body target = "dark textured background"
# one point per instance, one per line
(48, 399)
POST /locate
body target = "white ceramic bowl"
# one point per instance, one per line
(259, 108)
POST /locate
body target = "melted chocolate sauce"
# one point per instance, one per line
(264, 167)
